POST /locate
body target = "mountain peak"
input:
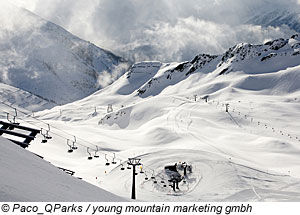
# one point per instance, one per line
(37, 55)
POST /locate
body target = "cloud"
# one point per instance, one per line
(106, 78)
(161, 29)
(190, 36)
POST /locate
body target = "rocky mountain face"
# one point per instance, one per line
(249, 59)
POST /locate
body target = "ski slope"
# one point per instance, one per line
(159, 114)
(26, 177)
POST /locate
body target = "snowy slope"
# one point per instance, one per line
(26, 177)
(277, 18)
(250, 153)
(22, 99)
(42, 58)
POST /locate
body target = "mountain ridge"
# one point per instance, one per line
(37, 55)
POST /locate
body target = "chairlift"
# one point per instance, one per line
(13, 121)
(74, 147)
(107, 163)
(128, 166)
(90, 155)
(153, 177)
(122, 167)
(44, 140)
(95, 155)
(113, 161)
(47, 133)
(141, 169)
(70, 150)
(146, 178)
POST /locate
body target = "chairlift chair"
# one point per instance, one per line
(141, 169)
(146, 178)
(122, 167)
(113, 161)
(44, 140)
(12, 122)
(128, 166)
(70, 150)
(95, 155)
(90, 155)
(153, 177)
(74, 147)
(48, 136)
(107, 163)
(47, 133)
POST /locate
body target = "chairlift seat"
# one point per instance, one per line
(107, 164)
(96, 156)
(70, 150)
(155, 182)
(90, 158)
(146, 178)
(122, 168)
(114, 162)
(44, 141)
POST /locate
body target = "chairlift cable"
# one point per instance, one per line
(67, 133)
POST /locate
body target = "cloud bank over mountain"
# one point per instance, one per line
(165, 30)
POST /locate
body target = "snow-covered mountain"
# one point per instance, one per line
(250, 153)
(24, 100)
(252, 60)
(157, 112)
(42, 58)
(277, 18)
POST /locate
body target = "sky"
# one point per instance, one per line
(163, 30)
